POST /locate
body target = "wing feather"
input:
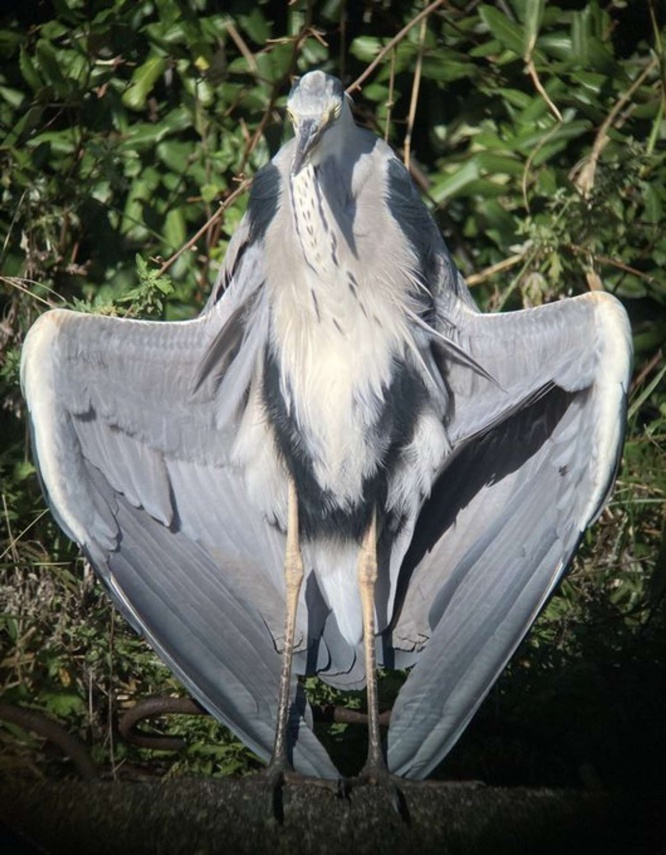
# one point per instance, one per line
(533, 459)
(133, 427)
(209, 636)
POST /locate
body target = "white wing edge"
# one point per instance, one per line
(611, 389)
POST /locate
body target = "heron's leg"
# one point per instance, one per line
(375, 770)
(367, 578)
(293, 571)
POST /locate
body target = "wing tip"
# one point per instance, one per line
(40, 338)
(615, 363)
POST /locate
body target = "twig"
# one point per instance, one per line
(648, 368)
(530, 161)
(505, 264)
(14, 540)
(342, 715)
(605, 259)
(43, 725)
(416, 85)
(149, 707)
(390, 103)
(242, 46)
(17, 282)
(534, 74)
(531, 70)
(394, 41)
(209, 222)
(586, 174)
(162, 706)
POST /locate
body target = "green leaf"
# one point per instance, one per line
(145, 135)
(14, 97)
(505, 31)
(555, 266)
(143, 81)
(557, 45)
(533, 17)
(515, 97)
(447, 70)
(256, 26)
(9, 41)
(10, 625)
(497, 164)
(365, 48)
(62, 142)
(62, 704)
(654, 209)
(456, 181)
(174, 230)
(49, 67)
(176, 154)
(28, 70)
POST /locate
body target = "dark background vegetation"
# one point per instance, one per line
(537, 134)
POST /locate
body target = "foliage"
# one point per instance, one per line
(536, 133)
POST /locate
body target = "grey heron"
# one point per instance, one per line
(341, 463)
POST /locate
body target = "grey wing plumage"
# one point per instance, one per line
(133, 424)
(534, 453)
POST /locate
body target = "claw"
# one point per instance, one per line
(275, 777)
(376, 774)
(278, 774)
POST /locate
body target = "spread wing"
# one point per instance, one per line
(133, 425)
(534, 455)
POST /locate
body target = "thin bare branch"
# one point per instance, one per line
(390, 103)
(38, 722)
(18, 282)
(243, 186)
(584, 180)
(506, 264)
(645, 372)
(414, 100)
(11, 546)
(240, 43)
(394, 41)
(533, 73)
(613, 262)
(530, 160)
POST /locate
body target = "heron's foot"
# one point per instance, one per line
(274, 776)
(279, 773)
(376, 774)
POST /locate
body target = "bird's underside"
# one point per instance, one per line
(340, 360)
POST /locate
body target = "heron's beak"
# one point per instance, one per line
(308, 134)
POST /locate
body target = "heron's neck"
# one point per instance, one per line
(320, 193)
(314, 225)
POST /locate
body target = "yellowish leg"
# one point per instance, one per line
(367, 578)
(293, 571)
(375, 770)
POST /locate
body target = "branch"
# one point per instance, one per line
(416, 85)
(180, 816)
(394, 41)
(584, 181)
(41, 724)
(209, 222)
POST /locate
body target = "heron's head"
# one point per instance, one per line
(315, 104)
